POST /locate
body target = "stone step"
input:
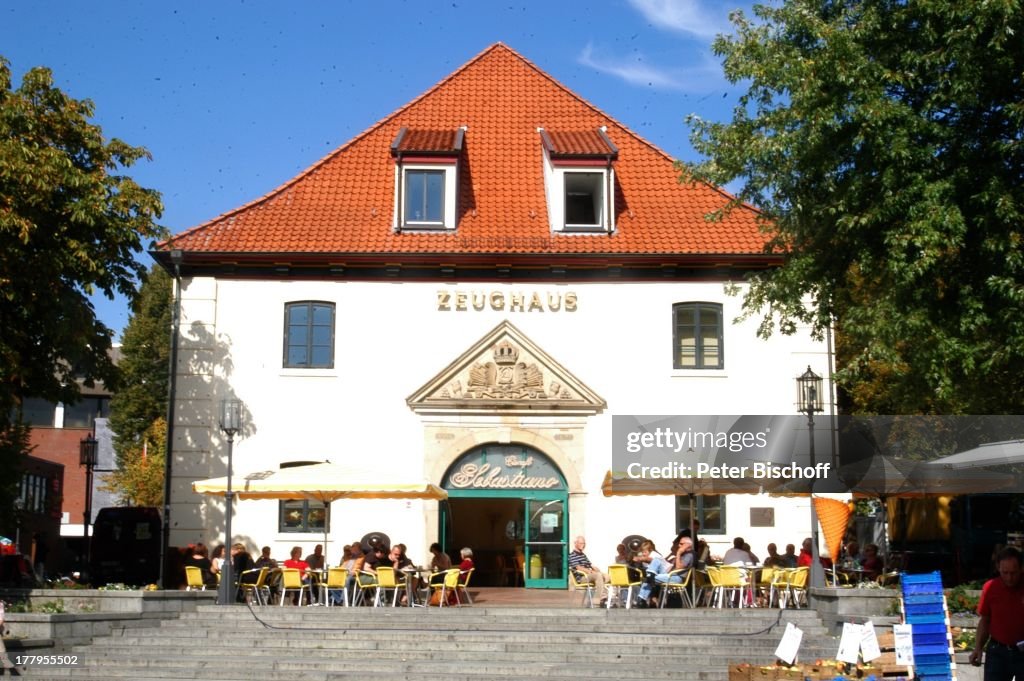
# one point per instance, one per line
(472, 644)
(379, 668)
(681, 653)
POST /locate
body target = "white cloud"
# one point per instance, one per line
(686, 16)
(700, 78)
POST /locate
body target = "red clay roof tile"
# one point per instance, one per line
(344, 203)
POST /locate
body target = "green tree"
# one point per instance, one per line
(145, 351)
(883, 141)
(71, 225)
(139, 479)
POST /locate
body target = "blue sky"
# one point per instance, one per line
(234, 97)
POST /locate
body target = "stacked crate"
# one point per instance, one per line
(924, 607)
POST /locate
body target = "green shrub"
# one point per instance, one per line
(959, 601)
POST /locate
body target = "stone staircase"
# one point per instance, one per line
(322, 644)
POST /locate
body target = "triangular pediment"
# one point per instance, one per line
(505, 371)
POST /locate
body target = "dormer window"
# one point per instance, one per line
(579, 179)
(426, 178)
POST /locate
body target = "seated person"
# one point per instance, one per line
(358, 563)
(737, 555)
(683, 559)
(654, 564)
(398, 559)
(296, 563)
(872, 563)
(466, 565)
(439, 562)
(773, 559)
(242, 563)
(789, 558)
(316, 559)
(265, 561)
(201, 560)
(584, 571)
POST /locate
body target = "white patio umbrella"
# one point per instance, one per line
(324, 482)
(987, 454)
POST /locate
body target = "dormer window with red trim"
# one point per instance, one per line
(579, 178)
(426, 178)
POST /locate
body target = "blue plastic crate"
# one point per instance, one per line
(931, 655)
(935, 618)
(930, 629)
(926, 578)
(932, 640)
(930, 670)
(922, 589)
(922, 598)
(943, 676)
(923, 608)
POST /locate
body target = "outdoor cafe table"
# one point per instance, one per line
(412, 575)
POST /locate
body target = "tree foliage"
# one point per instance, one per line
(71, 224)
(139, 479)
(883, 141)
(145, 351)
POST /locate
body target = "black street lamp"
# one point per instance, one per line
(808, 399)
(230, 423)
(88, 449)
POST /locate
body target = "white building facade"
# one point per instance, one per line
(486, 353)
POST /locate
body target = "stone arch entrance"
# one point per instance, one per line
(509, 502)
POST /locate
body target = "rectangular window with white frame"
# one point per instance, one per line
(309, 335)
(697, 336)
(426, 196)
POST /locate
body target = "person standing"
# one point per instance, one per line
(1001, 627)
(584, 570)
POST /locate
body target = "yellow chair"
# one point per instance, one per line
(764, 584)
(336, 578)
(619, 579)
(257, 588)
(797, 585)
(291, 580)
(682, 586)
(194, 579)
(777, 591)
(462, 587)
(727, 581)
(387, 580)
(366, 580)
(586, 587)
(702, 588)
(449, 583)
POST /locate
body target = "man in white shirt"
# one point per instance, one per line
(737, 555)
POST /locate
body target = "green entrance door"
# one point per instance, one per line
(546, 542)
(536, 532)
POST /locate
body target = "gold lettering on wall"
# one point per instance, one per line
(514, 301)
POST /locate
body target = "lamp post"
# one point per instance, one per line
(87, 452)
(808, 399)
(230, 422)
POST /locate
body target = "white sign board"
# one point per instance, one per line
(869, 642)
(790, 643)
(904, 644)
(849, 644)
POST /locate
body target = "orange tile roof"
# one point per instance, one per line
(343, 204)
(428, 140)
(585, 143)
